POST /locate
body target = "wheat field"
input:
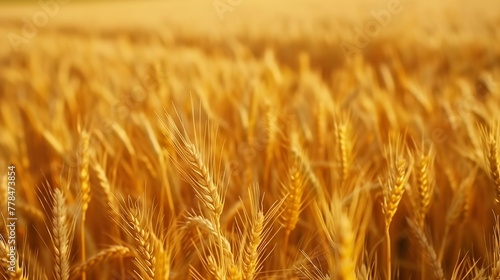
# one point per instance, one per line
(250, 140)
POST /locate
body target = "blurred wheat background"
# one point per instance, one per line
(251, 139)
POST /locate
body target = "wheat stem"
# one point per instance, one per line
(388, 248)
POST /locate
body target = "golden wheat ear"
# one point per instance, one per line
(199, 171)
(459, 209)
(136, 223)
(343, 236)
(101, 258)
(215, 251)
(17, 271)
(425, 182)
(490, 140)
(85, 194)
(400, 164)
(344, 142)
(109, 197)
(427, 249)
(343, 228)
(258, 233)
(300, 154)
(61, 233)
(292, 192)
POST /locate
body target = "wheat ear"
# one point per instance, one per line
(60, 236)
(495, 270)
(214, 269)
(207, 226)
(17, 272)
(305, 164)
(459, 209)
(273, 129)
(105, 185)
(102, 257)
(110, 199)
(85, 189)
(143, 240)
(251, 254)
(493, 163)
(234, 273)
(495, 266)
(338, 230)
(393, 192)
(207, 190)
(427, 249)
(257, 233)
(292, 193)
(200, 177)
(362, 273)
(345, 240)
(343, 145)
(425, 186)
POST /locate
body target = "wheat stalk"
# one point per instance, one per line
(495, 267)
